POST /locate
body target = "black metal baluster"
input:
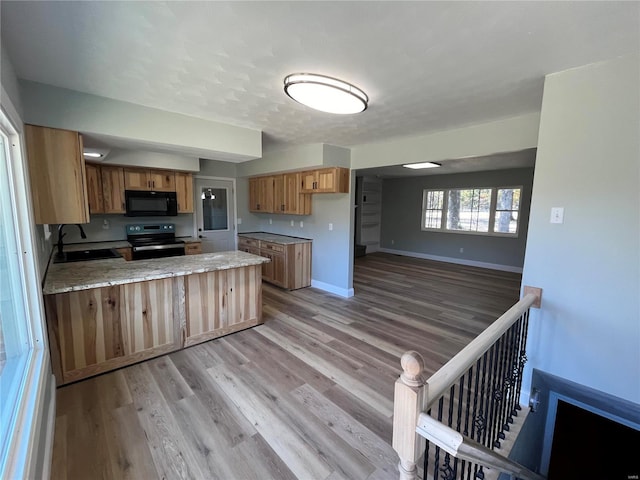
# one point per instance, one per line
(498, 434)
(436, 460)
(523, 354)
(489, 400)
(479, 422)
(506, 408)
(516, 368)
(493, 394)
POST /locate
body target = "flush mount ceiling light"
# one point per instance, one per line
(324, 93)
(417, 166)
(93, 154)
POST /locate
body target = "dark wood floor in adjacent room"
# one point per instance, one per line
(307, 395)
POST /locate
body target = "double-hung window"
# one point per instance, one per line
(482, 210)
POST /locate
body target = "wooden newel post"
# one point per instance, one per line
(407, 406)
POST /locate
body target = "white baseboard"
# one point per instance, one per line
(327, 287)
(458, 261)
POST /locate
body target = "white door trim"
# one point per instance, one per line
(235, 206)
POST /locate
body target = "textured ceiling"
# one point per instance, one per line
(425, 65)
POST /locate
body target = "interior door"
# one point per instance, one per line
(215, 214)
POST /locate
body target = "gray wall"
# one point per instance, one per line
(117, 223)
(588, 161)
(402, 213)
(217, 168)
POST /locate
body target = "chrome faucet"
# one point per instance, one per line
(61, 235)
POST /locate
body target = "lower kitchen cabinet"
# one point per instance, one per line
(193, 248)
(220, 302)
(100, 329)
(290, 265)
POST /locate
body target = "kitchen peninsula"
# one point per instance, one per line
(105, 314)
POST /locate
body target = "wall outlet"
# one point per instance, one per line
(301, 224)
(292, 223)
(270, 221)
(239, 221)
(105, 224)
(461, 250)
(557, 215)
(392, 242)
(330, 226)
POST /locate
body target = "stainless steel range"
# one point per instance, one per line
(154, 241)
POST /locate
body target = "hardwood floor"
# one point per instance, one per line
(307, 395)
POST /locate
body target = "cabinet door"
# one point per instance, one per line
(279, 269)
(193, 248)
(309, 181)
(279, 198)
(113, 189)
(57, 175)
(136, 179)
(267, 268)
(184, 192)
(148, 317)
(326, 180)
(295, 203)
(254, 196)
(265, 194)
(162, 181)
(94, 188)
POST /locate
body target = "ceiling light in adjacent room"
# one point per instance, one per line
(93, 155)
(324, 93)
(417, 166)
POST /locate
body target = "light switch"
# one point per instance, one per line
(239, 221)
(330, 226)
(270, 221)
(292, 223)
(557, 215)
(301, 224)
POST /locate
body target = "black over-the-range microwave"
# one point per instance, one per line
(151, 204)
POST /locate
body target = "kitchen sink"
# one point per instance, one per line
(84, 255)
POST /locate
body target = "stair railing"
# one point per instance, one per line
(458, 417)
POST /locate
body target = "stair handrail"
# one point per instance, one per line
(414, 395)
(464, 448)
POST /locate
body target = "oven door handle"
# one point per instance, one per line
(158, 247)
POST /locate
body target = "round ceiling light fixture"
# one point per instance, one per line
(324, 93)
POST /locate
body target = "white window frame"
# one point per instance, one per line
(22, 450)
(492, 211)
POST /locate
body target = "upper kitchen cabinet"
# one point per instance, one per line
(57, 174)
(113, 189)
(261, 194)
(287, 196)
(326, 180)
(94, 188)
(145, 179)
(184, 192)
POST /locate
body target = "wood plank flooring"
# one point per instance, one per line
(307, 395)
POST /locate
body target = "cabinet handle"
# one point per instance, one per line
(123, 206)
(154, 183)
(258, 207)
(282, 207)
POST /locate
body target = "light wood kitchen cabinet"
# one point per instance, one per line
(254, 196)
(113, 189)
(193, 248)
(276, 270)
(290, 265)
(287, 197)
(94, 188)
(93, 331)
(149, 180)
(265, 194)
(278, 194)
(184, 192)
(326, 180)
(126, 253)
(249, 245)
(218, 303)
(57, 175)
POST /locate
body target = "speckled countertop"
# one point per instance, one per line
(275, 238)
(73, 276)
